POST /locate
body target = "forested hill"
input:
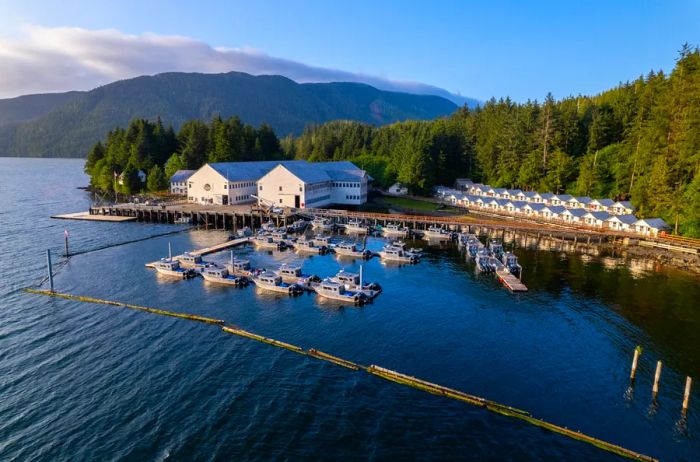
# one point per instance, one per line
(68, 124)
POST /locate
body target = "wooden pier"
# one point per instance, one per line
(505, 277)
(209, 250)
(87, 216)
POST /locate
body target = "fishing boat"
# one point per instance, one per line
(309, 246)
(221, 275)
(191, 261)
(324, 224)
(349, 249)
(393, 254)
(356, 227)
(511, 263)
(401, 245)
(496, 248)
(354, 282)
(239, 267)
(437, 233)
(473, 247)
(394, 230)
(170, 267)
(298, 226)
(243, 232)
(279, 235)
(320, 239)
(292, 274)
(266, 241)
(334, 291)
(483, 261)
(274, 283)
(183, 220)
(268, 226)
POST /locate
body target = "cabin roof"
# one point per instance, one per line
(656, 223)
(181, 175)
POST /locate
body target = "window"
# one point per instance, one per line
(280, 188)
(280, 200)
(260, 187)
(300, 189)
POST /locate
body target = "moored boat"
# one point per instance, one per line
(483, 261)
(349, 249)
(496, 248)
(170, 267)
(393, 254)
(510, 261)
(356, 227)
(266, 241)
(221, 275)
(354, 282)
(191, 261)
(309, 246)
(323, 224)
(437, 233)
(273, 283)
(394, 230)
(334, 291)
(292, 274)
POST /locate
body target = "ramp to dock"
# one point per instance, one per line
(85, 216)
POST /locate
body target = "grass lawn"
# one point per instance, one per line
(405, 203)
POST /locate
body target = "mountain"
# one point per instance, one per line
(67, 124)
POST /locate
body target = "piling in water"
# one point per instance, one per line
(686, 394)
(657, 378)
(635, 361)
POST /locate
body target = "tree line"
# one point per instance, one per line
(639, 141)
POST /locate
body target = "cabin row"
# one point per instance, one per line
(533, 197)
(559, 213)
(294, 183)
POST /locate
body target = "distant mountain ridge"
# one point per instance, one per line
(67, 124)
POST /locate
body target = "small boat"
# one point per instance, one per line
(334, 291)
(496, 248)
(354, 282)
(348, 249)
(292, 274)
(268, 226)
(436, 232)
(483, 261)
(220, 275)
(239, 267)
(309, 246)
(323, 224)
(320, 239)
(394, 254)
(183, 220)
(511, 263)
(298, 226)
(401, 245)
(274, 283)
(170, 267)
(356, 227)
(473, 247)
(243, 232)
(394, 230)
(265, 241)
(190, 261)
(280, 235)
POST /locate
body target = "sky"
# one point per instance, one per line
(474, 49)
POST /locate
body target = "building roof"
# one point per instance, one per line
(556, 209)
(563, 197)
(602, 216)
(625, 204)
(309, 172)
(603, 202)
(576, 212)
(546, 196)
(581, 199)
(656, 223)
(181, 175)
(536, 206)
(628, 219)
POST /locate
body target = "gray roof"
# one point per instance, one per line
(546, 195)
(602, 216)
(563, 197)
(628, 219)
(626, 204)
(536, 206)
(578, 212)
(556, 208)
(309, 172)
(181, 175)
(604, 202)
(247, 171)
(582, 199)
(656, 223)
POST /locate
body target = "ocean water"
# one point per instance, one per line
(91, 382)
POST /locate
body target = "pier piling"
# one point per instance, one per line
(686, 395)
(65, 239)
(48, 264)
(657, 378)
(635, 361)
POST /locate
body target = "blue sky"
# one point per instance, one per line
(477, 49)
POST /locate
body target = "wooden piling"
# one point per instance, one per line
(635, 361)
(657, 377)
(686, 394)
(48, 264)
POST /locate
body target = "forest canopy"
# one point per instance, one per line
(638, 141)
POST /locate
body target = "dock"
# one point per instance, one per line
(505, 277)
(87, 216)
(210, 250)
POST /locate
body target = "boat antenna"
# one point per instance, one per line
(232, 259)
(361, 268)
(170, 252)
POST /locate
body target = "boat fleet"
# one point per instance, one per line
(489, 258)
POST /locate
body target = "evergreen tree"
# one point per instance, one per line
(155, 180)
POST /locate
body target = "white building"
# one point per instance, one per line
(398, 189)
(178, 182)
(596, 219)
(621, 222)
(295, 183)
(650, 226)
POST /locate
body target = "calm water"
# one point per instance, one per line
(80, 381)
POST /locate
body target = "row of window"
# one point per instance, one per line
(352, 198)
(246, 184)
(241, 198)
(346, 185)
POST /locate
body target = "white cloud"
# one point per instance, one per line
(53, 59)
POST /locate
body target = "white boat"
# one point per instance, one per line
(220, 275)
(320, 239)
(401, 245)
(309, 246)
(356, 227)
(243, 232)
(393, 254)
(348, 249)
(334, 291)
(169, 267)
(268, 226)
(183, 220)
(437, 233)
(190, 261)
(265, 241)
(511, 263)
(239, 267)
(323, 224)
(496, 248)
(354, 282)
(483, 261)
(292, 274)
(274, 283)
(298, 226)
(394, 230)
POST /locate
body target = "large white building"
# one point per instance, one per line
(294, 183)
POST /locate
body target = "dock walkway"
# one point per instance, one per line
(210, 250)
(505, 277)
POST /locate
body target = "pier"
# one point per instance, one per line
(212, 249)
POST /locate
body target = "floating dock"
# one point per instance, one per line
(86, 216)
(505, 277)
(212, 249)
